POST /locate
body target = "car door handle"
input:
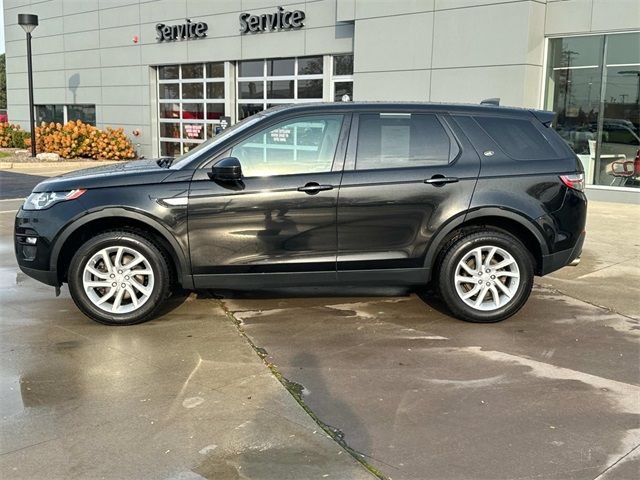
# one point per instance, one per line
(312, 188)
(440, 180)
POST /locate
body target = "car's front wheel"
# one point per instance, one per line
(118, 278)
(486, 276)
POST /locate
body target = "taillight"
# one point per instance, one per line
(575, 181)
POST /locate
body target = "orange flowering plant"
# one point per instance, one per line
(77, 139)
(12, 136)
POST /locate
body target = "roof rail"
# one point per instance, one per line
(491, 101)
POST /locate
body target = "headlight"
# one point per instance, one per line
(42, 200)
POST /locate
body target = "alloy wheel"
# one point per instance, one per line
(118, 279)
(487, 278)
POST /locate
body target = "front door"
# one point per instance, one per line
(405, 175)
(281, 218)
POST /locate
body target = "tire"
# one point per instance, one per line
(459, 276)
(91, 279)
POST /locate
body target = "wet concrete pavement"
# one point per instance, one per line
(553, 393)
(182, 397)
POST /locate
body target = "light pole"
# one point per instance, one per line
(29, 22)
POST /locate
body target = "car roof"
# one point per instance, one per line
(401, 106)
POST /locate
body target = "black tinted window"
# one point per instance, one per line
(517, 138)
(399, 140)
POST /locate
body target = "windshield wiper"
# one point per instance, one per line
(165, 162)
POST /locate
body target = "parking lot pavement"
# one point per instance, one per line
(552, 393)
(182, 397)
(609, 273)
(17, 185)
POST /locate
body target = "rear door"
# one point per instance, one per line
(406, 173)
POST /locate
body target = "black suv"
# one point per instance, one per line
(476, 198)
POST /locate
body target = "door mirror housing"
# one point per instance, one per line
(226, 170)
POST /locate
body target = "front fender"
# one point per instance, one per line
(181, 258)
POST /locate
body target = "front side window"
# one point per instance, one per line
(401, 140)
(302, 145)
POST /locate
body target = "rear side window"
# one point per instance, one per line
(402, 140)
(518, 138)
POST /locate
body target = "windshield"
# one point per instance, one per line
(183, 160)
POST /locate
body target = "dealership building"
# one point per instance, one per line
(172, 73)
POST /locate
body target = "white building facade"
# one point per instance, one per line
(170, 71)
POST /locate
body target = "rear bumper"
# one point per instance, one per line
(555, 261)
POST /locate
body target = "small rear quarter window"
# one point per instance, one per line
(518, 138)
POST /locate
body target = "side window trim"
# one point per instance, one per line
(455, 148)
(455, 141)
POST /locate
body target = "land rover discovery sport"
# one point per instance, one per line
(476, 199)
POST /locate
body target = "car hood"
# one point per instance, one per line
(137, 172)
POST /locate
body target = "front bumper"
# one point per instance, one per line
(48, 277)
(34, 259)
(555, 261)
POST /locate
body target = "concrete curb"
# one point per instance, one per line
(54, 165)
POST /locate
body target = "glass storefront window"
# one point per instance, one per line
(66, 113)
(169, 110)
(280, 89)
(193, 131)
(191, 101)
(169, 72)
(341, 89)
(215, 111)
(343, 65)
(215, 90)
(310, 66)
(263, 83)
(251, 68)
(169, 90)
(281, 67)
(170, 130)
(195, 70)
(193, 111)
(84, 113)
(215, 70)
(49, 113)
(310, 89)
(192, 90)
(170, 149)
(251, 89)
(593, 84)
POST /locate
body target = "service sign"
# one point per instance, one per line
(280, 20)
(187, 30)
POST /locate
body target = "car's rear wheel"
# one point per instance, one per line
(486, 276)
(119, 278)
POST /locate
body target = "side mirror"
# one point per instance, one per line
(226, 170)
